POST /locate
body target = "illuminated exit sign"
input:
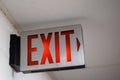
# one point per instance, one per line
(52, 49)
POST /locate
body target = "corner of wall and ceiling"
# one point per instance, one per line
(9, 16)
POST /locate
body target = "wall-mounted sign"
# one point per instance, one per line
(52, 49)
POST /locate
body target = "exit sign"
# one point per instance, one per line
(52, 49)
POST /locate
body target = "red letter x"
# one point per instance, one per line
(46, 53)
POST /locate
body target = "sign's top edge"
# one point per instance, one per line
(52, 27)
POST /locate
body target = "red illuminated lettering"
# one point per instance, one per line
(46, 44)
(57, 47)
(67, 38)
(46, 53)
(30, 50)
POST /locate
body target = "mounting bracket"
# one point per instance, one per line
(14, 51)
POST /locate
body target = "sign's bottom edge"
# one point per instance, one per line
(55, 69)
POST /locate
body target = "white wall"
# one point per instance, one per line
(6, 72)
(33, 76)
(6, 29)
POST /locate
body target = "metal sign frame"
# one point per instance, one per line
(52, 49)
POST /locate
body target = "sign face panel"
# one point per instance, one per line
(52, 49)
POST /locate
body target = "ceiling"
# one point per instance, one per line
(34, 14)
(26, 14)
